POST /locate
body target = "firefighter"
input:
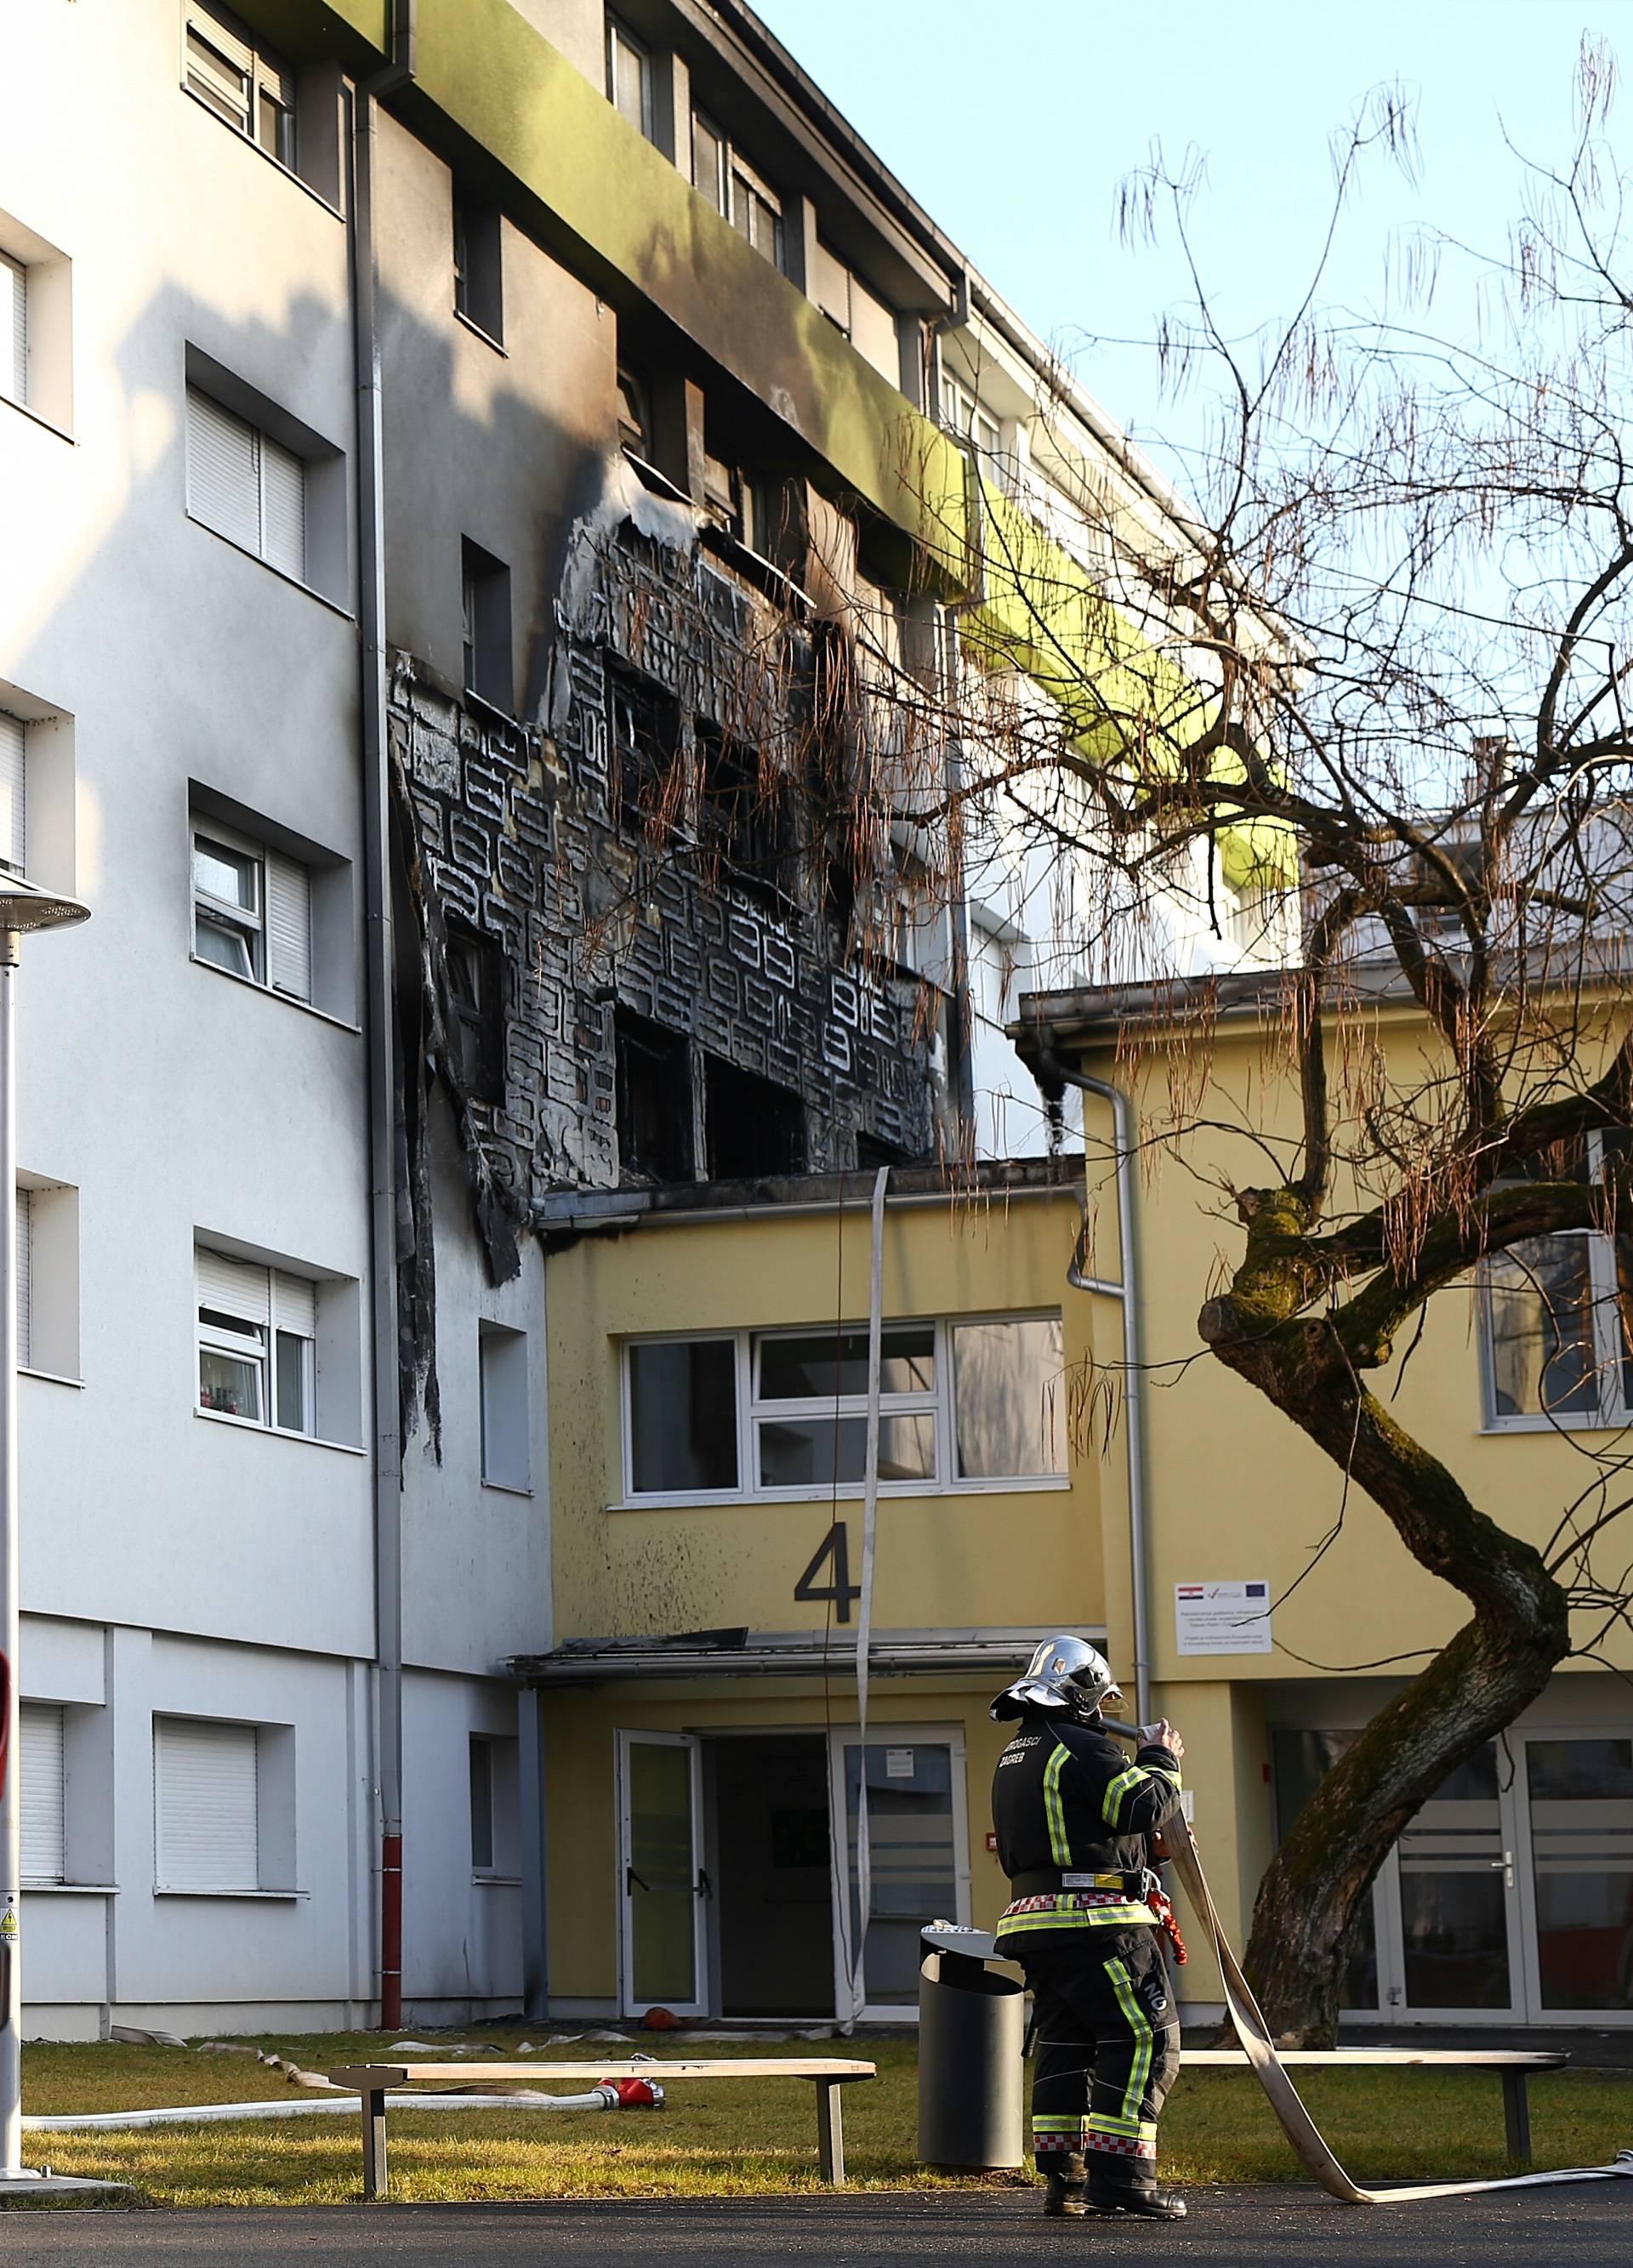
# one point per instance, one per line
(1076, 1821)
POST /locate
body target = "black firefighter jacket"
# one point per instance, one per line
(1073, 1818)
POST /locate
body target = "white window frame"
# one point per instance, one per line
(255, 925)
(261, 1345)
(161, 1867)
(266, 77)
(940, 1400)
(36, 1712)
(623, 47)
(1615, 1408)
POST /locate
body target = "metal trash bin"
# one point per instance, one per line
(970, 2034)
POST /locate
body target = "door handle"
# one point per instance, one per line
(1504, 1866)
(703, 1888)
(632, 1881)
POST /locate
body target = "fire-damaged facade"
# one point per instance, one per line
(643, 916)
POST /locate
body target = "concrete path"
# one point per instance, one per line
(1279, 2227)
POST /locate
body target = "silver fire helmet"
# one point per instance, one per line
(1064, 1673)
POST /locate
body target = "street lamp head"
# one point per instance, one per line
(24, 906)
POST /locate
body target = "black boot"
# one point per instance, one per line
(1064, 2198)
(1129, 2185)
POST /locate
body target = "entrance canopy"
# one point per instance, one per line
(739, 1652)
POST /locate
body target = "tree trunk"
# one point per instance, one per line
(1476, 1686)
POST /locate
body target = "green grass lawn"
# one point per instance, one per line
(721, 2139)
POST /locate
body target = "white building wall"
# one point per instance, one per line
(174, 1562)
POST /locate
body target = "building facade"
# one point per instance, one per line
(485, 483)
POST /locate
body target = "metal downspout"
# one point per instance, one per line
(379, 956)
(1050, 1069)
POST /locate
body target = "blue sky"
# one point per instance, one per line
(1014, 124)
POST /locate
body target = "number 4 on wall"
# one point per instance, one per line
(833, 1551)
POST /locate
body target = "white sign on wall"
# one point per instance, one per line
(1221, 1618)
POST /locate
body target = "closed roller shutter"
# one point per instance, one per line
(13, 799)
(231, 1287)
(282, 509)
(204, 1807)
(223, 471)
(13, 329)
(41, 1788)
(24, 1277)
(289, 927)
(294, 1303)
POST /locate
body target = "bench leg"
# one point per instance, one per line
(375, 2175)
(1517, 2116)
(829, 2133)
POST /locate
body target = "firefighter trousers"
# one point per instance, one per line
(1107, 2047)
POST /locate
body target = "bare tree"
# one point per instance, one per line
(1356, 714)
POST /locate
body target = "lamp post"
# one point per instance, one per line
(23, 908)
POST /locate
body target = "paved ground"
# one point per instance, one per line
(1281, 2228)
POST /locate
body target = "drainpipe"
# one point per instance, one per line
(379, 956)
(1051, 1072)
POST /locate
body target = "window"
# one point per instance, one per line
(43, 1780)
(242, 82)
(503, 1357)
(734, 190)
(257, 1343)
(868, 324)
(653, 1074)
(13, 329)
(629, 77)
(476, 999)
(970, 1402)
(643, 727)
(634, 414)
(742, 820)
(206, 1806)
(484, 595)
(962, 414)
(495, 1804)
(1559, 1315)
(245, 485)
(252, 911)
(1009, 1383)
(48, 1278)
(753, 1127)
(810, 1412)
(683, 1416)
(478, 264)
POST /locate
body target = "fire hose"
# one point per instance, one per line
(1259, 2048)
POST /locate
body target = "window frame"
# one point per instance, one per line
(257, 925)
(619, 35)
(940, 1400)
(1612, 1354)
(732, 169)
(261, 1345)
(212, 28)
(263, 441)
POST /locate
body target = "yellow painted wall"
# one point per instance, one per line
(1234, 1490)
(998, 1557)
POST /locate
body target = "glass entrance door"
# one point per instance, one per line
(662, 1883)
(1456, 1883)
(918, 1862)
(1579, 1792)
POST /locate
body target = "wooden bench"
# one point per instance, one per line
(1514, 2066)
(374, 2080)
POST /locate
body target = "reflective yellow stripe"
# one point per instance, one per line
(1111, 1803)
(1060, 1849)
(1138, 2129)
(1134, 2094)
(1093, 1917)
